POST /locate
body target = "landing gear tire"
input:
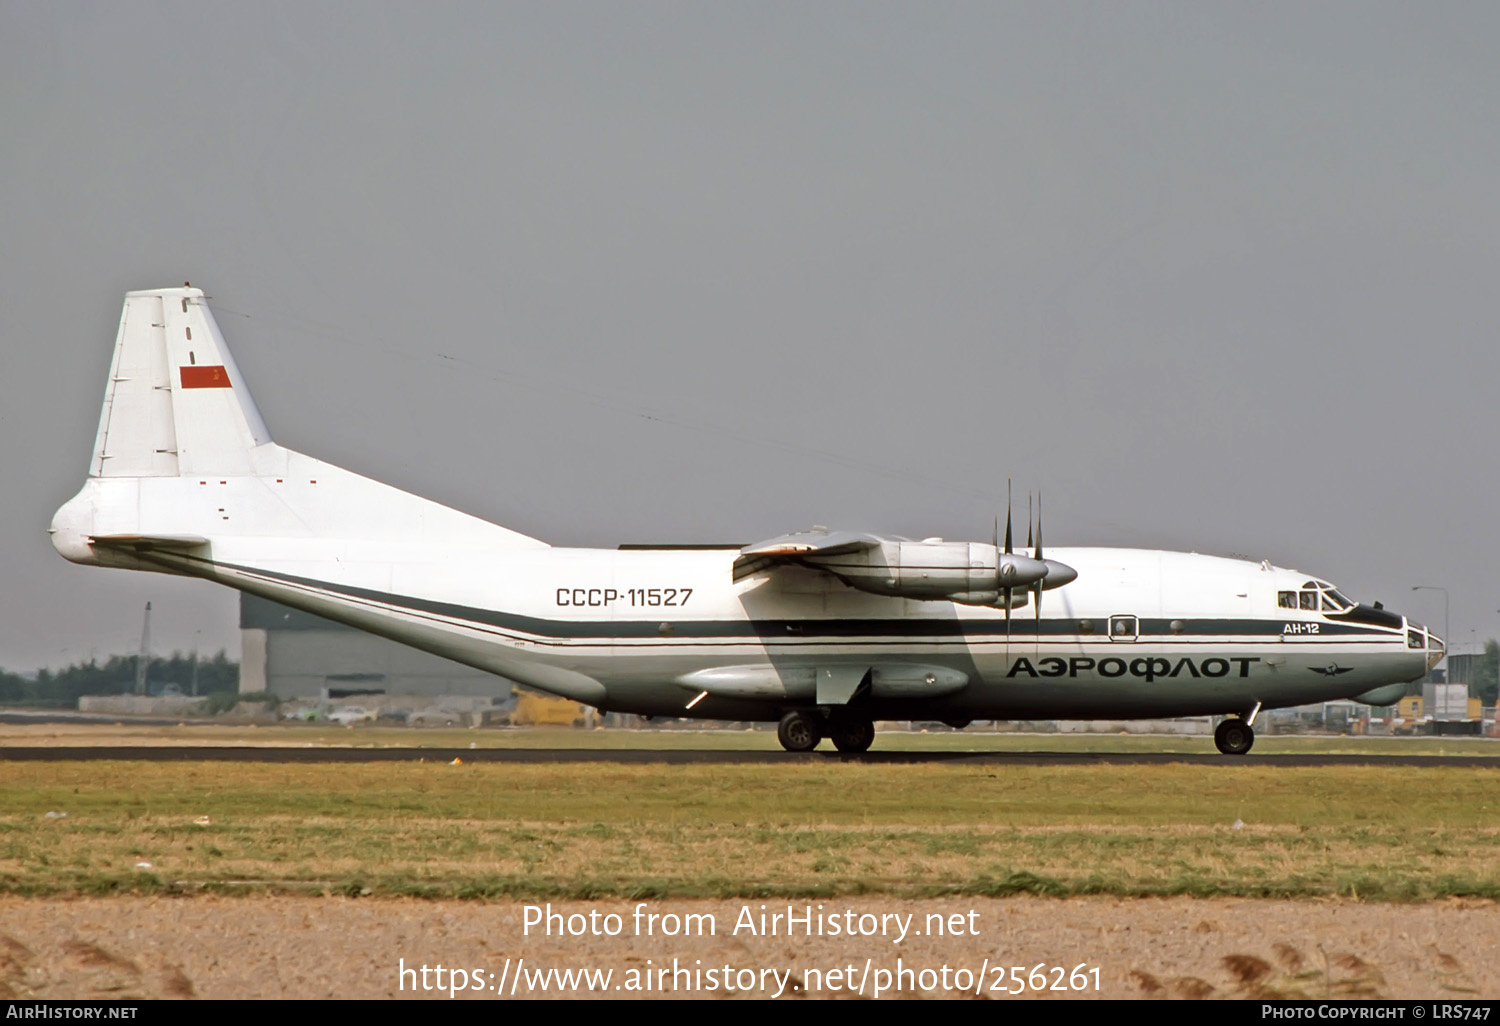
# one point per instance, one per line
(799, 731)
(1234, 737)
(852, 736)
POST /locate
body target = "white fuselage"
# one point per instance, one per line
(1140, 633)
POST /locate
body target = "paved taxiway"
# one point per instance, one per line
(92, 753)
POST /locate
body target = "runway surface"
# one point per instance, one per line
(145, 753)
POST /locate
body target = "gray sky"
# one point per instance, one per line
(1213, 277)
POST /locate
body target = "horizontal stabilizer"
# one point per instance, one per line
(149, 541)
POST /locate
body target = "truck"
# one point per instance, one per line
(1446, 708)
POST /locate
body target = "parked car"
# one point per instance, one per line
(349, 715)
(434, 718)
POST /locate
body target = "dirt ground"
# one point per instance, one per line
(289, 947)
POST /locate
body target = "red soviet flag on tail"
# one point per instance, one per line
(205, 377)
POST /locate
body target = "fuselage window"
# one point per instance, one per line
(1309, 599)
(1413, 639)
(1286, 599)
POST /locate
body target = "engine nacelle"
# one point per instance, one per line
(973, 573)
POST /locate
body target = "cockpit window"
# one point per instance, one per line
(1335, 602)
(1315, 595)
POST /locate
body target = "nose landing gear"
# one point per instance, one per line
(1234, 736)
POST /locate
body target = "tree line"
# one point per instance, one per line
(1486, 683)
(116, 676)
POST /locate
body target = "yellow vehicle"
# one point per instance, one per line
(534, 710)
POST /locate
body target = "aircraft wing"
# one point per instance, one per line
(792, 548)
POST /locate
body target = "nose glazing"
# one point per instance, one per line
(1419, 637)
(1436, 649)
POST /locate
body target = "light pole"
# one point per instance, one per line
(1446, 641)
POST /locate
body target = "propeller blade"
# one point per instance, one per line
(1038, 558)
(1008, 592)
(1007, 518)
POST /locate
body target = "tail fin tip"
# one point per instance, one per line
(175, 404)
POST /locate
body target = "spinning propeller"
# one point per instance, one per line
(1034, 573)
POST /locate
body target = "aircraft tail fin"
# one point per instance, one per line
(175, 404)
(183, 459)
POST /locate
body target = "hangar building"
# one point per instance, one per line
(297, 655)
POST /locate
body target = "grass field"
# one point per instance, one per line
(654, 831)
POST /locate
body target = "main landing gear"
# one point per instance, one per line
(852, 735)
(801, 729)
(1234, 736)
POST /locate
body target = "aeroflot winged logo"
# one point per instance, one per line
(1331, 670)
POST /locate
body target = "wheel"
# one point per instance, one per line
(1234, 737)
(852, 735)
(799, 731)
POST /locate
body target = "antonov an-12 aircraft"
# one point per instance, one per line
(824, 631)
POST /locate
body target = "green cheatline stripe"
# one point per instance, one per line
(1021, 627)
